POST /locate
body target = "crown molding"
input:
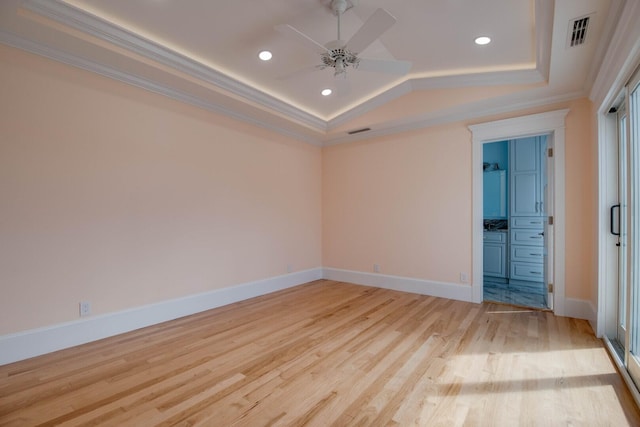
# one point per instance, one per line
(466, 112)
(87, 23)
(493, 78)
(261, 109)
(377, 101)
(621, 58)
(19, 42)
(544, 14)
(604, 42)
(489, 78)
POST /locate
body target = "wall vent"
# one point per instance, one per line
(353, 132)
(578, 31)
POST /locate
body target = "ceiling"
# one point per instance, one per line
(206, 53)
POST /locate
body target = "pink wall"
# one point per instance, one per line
(112, 194)
(122, 197)
(581, 202)
(404, 202)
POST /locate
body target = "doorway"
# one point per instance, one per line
(551, 124)
(514, 219)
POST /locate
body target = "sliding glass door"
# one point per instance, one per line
(628, 209)
(620, 210)
(633, 228)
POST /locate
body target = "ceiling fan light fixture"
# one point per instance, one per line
(339, 59)
(265, 55)
(482, 40)
(341, 55)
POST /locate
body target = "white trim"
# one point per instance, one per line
(581, 309)
(142, 82)
(621, 58)
(490, 78)
(633, 389)
(535, 124)
(544, 11)
(377, 101)
(493, 78)
(466, 112)
(606, 323)
(305, 125)
(453, 291)
(78, 19)
(620, 61)
(35, 342)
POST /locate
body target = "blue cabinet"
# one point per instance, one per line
(495, 194)
(527, 176)
(495, 254)
(527, 179)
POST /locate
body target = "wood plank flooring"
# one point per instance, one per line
(330, 353)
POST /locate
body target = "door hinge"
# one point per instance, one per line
(550, 152)
(550, 220)
(550, 288)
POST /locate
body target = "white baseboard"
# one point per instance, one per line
(406, 284)
(35, 342)
(580, 309)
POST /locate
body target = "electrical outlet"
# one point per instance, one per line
(85, 308)
(289, 268)
(376, 268)
(464, 277)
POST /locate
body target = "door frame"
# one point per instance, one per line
(551, 123)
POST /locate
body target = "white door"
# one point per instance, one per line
(549, 229)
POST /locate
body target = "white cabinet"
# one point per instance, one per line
(495, 254)
(526, 176)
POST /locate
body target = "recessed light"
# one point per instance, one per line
(482, 40)
(265, 55)
(326, 92)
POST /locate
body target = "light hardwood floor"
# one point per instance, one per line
(330, 353)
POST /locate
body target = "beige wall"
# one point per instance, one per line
(112, 194)
(404, 202)
(581, 203)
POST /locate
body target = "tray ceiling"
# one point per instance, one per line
(206, 53)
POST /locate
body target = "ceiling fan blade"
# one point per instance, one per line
(389, 66)
(298, 73)
(342, 85)
(293, 34)
(374, 27)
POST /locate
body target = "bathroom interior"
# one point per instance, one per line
(514, 212)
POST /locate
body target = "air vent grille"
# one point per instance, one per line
(353, 132)
(578, 31)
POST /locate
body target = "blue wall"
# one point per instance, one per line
(496, 152)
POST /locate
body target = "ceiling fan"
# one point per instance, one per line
(341, 55)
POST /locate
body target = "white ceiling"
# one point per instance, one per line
(205, 53)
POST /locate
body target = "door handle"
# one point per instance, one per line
(611, 220)
(541, 233)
